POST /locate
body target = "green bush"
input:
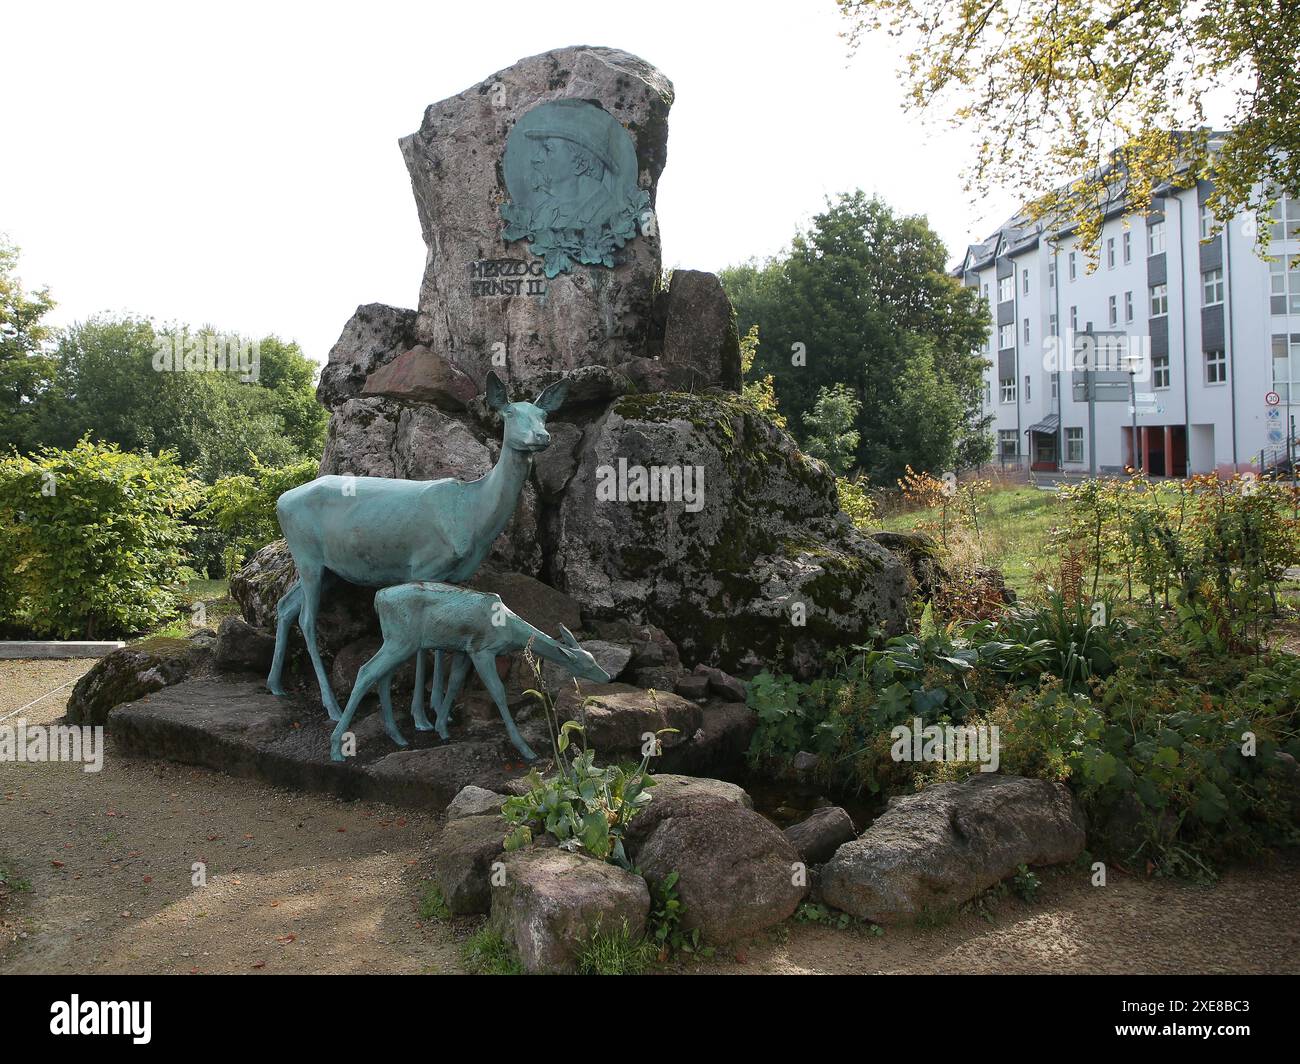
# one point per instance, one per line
(242, 507)
(92, 540)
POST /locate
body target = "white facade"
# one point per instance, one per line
(1217, 324)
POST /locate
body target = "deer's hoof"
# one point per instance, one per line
(397, 738)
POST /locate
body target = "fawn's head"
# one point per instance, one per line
(580, 662)
(525, 423)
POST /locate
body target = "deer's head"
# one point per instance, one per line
(580, 662)
(525, 423)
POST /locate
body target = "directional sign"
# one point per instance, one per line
(1273, 413)
(1275, 435)
(1272, 399)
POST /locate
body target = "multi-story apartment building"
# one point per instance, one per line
(1209, 328)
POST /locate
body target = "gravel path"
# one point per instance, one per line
(304, 883)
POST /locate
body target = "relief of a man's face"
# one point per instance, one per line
(559, 166)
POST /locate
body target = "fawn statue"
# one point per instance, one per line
(378, 531)
(477, 627)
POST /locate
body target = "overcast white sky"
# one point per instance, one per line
(236, 164)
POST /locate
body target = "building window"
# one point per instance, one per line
(1284, 286)
(1027, 395)
(986, 289)
(1026, 330)
(1110, 253)
(1074, 318)
(1006, 336)
(1051, 273)
(1286, 218)
(1024, 282)
(1056, 391)
(1128, 306)
(1113, 307)
(1159, 300)
(1212, 288)
(1008, 385)
(1216, 367)
(1128, 246)
(1286, 366)
(1155, 237)
(1074, 445)
(1007, 443)
(988, 392)
(1073, 267)
(1207, 221)
(1160, 370)
(1051, 325)
(1006, 288)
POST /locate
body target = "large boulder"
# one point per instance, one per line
(374, 335)
(549, 904)
(761, 568)
(482, 294)
(130, 673)
(242, 648)
(616, 717)
(819, 835)
(737, 874)
(700, 330)
(941, 847)
(462, 865)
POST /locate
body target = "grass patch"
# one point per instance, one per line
(12, 883)
(619, 953)
(486, 953)
(1013, 530)
(217, 606)
(433, 906)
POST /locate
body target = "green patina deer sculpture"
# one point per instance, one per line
(378, 531)
(478, 628)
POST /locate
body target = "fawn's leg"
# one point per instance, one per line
(386, 704)
(417, 698)
(485, 664)
(459, 669)
(384, 663)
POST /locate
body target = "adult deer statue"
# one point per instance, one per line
(478, 628)
(378, 531)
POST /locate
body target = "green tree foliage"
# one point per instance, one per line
(106, 384)
(242, 506)
(829, 431)
(92, 540)
(1073, 100)
(760, 391)
(26, 369)
(863, 299)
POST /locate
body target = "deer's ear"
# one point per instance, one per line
(569, 641)
(497, 396)
(552, 397)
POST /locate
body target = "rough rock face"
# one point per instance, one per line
(820, 834)
(132, 672)
(737, 871)
(943, 846)
(590, 316)
(728, 580)
(766, 572)
(551, 903)
(462, 867)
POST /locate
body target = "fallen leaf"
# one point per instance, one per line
(284, 940)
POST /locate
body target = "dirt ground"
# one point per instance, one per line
(100, 872)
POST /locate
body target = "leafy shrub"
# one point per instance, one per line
(665, 925)
(583, 805)
(92, 540)
(242, 507)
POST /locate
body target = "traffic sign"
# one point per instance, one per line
(1272, 399)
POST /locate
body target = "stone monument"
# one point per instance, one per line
(664, 498)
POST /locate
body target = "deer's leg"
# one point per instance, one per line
(286, 612)
(459, 669)
(485, 664)
(417, 698)
(386, 703)
(311, 587)
(380, 667)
